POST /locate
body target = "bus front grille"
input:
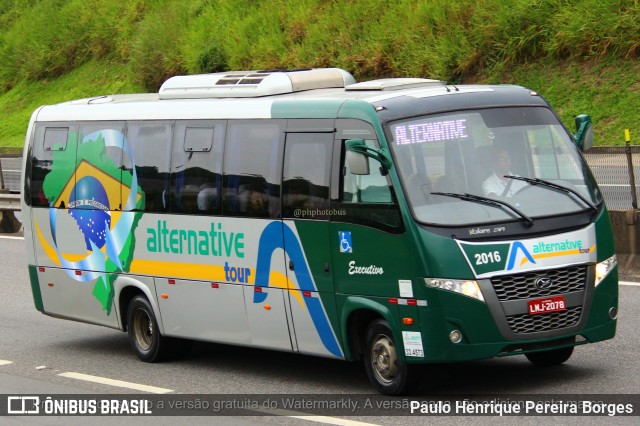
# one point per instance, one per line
(523, 286)
(525, 323)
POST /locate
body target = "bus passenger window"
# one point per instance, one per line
(151, 145)
(306, 174)
(52, 142)
(196, 169)
(252, 168)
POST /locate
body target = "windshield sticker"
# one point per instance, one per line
(539, 253)
(413, 344)
(483, 231)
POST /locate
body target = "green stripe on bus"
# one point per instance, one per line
(35, 288)
(306, 108)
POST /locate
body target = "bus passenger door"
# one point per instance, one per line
(305, 200)
(252, 171)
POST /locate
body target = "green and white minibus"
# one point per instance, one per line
(398, 221)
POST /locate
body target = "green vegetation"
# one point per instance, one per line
(581, 55)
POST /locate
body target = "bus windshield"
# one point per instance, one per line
(491, 165)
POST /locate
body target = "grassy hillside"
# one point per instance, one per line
(581, 55)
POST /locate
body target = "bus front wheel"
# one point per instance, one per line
(386, 372)
(549, 358)
(144, 336)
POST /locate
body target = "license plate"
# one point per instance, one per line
(545, 306)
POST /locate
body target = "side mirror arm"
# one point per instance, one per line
(360, 147)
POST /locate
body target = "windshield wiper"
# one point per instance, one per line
(485, 200)
(537, 181)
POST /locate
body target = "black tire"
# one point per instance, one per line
(386, 372)
(549, 358)
(144, 335)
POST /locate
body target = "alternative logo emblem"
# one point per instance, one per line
(543, 282)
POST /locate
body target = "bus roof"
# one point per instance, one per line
(319, 93)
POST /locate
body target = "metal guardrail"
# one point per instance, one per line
(10, 165)
(610, 166)
(10, 202)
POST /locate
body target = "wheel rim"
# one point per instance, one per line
(384, 359)
(143, 329)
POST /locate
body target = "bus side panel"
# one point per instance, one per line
(56, 237)
(203, 310)
(309, 334)
(66, 297)
(268, 319)
(68, 292)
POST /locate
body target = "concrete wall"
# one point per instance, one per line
(626, 229)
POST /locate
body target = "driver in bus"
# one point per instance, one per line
(497, 184)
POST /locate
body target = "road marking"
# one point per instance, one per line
(319, 419)
(5, 362)
(7, 237)
(629, 283)
(112, 382)
(332, 421)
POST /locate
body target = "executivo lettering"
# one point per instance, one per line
(364, 270)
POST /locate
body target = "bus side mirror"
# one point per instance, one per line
(584, 132)
(358, 163)
(357, 153)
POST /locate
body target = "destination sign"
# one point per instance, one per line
(434, 131)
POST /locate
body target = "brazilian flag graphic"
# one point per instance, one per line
(105, 202)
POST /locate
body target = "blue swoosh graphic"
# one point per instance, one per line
(278, 235)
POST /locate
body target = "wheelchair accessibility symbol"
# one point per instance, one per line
(345, 242)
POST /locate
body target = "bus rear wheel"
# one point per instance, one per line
(388, 374)
(551, 357)
(144, 335)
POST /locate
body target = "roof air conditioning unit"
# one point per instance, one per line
(249, 84)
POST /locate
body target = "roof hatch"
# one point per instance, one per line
(248, 84)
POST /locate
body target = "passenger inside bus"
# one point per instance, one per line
(497, 184)
(207, 197)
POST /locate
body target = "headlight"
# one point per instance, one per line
(467, 288)
(603, 268)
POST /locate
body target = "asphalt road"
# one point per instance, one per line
(38, 353)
